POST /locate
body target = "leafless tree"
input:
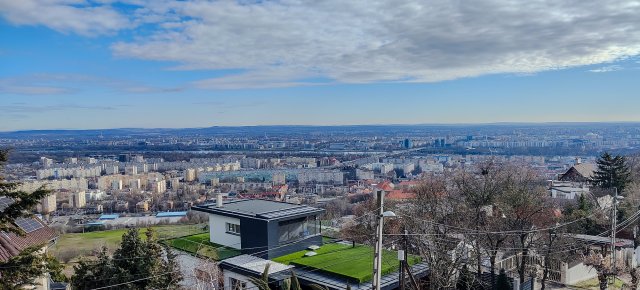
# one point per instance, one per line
(433, 218)
(208, 276)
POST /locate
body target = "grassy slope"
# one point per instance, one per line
(82, 244)
(345, 261)
(199, 244)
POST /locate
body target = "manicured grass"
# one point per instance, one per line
(345, 261)
(84, 244)
(594, 284)
(199, 244)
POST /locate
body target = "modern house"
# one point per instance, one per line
(263, 228)
(288, 238)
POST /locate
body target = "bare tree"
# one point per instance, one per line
(208, 276)
(433, 218)
(481, 189)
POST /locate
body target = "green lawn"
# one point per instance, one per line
(594, 284)
(345, 261)
(199, 244)
(70, 246)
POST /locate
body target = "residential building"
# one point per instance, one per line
(48, 204)
(37, 233)
(262, 227)
(581, 172)
(78, 199)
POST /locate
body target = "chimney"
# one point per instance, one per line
(219, 200)
(578, 160)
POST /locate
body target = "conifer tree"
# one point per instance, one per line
(138, 263)
(612, 172)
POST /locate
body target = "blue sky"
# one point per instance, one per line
(111, 64)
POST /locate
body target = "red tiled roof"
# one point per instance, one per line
(386, 186)
(399, 195)
(11, 244)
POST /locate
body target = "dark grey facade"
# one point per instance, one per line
(271, 229)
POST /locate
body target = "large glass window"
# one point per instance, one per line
(298, 229)
(233, 229)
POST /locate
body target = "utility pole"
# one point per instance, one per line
(402, 257)
(377, 261)
(614, 222)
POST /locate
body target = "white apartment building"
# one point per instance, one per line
(78, 199)
(47, 204)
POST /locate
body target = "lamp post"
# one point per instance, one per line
(377, 262)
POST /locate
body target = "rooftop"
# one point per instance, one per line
(255, 264)
(344, 261)
(259, 208)
(36, 233)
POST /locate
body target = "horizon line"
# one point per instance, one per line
(342, 125)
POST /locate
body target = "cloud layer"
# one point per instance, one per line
(295, 42)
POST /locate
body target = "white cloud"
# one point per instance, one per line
(282, 43)
(58, 84)
(608, 68)
(297, 42)
(77, 16)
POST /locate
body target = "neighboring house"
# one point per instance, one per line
(237, 269)
(262, 227)
(581, 172)
(567, 189)
(399, 195)
(37, 233)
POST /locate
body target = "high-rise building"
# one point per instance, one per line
(116, 185)
(124, 157)
(190, 175)
(159, 186)
(138, 158)
(46, 162)
(47, 204)
(175, 183)
(131, 170)
(78, 199)
(135, 183)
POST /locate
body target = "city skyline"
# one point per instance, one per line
(164, 64)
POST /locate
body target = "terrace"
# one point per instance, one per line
(344, 261)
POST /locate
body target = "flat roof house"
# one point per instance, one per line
(288, 238)
(263, 228)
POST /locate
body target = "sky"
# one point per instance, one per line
(93, 64)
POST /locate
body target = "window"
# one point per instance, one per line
(237, 284)
(297, 229)
(233, 229)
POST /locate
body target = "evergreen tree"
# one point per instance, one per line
(29, 264)
(140, 263)
(612, 172)
(94, 274)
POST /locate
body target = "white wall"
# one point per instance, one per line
(227, 280)
(578, 273)
(218, 231)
